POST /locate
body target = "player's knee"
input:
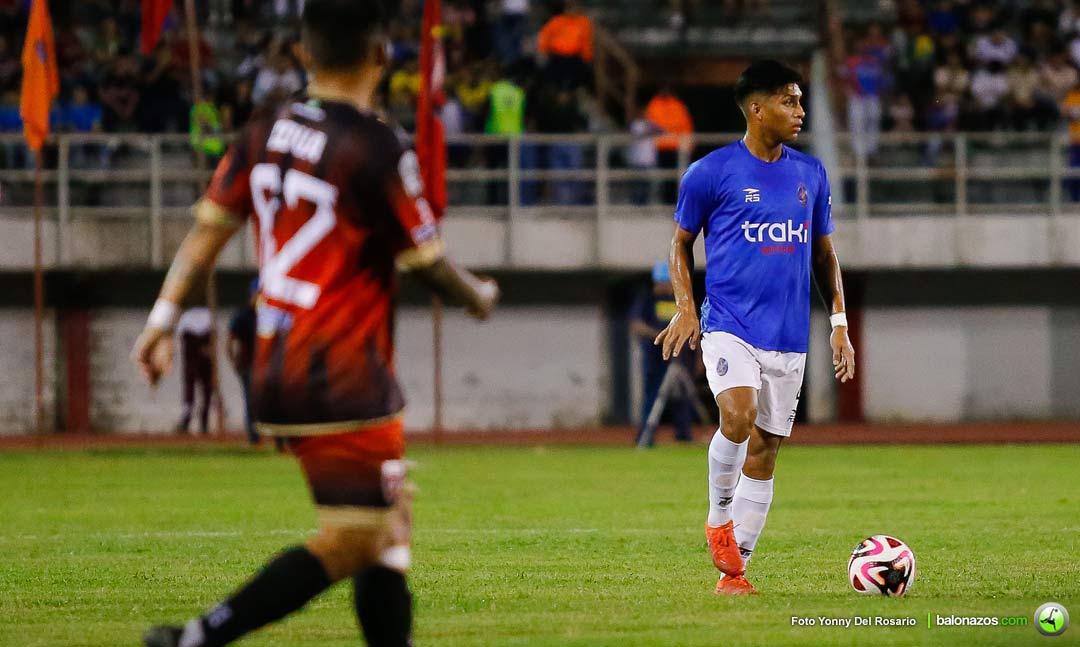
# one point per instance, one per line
(737, 422)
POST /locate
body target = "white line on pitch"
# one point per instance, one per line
(210, 534)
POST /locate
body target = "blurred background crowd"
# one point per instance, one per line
(525, 66)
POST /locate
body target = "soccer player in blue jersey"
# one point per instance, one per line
(766, 213)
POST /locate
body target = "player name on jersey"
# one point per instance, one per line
(296, 139)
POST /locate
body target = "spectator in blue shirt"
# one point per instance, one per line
(81, 115)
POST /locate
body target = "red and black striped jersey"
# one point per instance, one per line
(337, 207)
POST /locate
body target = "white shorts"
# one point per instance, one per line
(777, 377)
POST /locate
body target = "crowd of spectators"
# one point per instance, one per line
(513, 67)
(956, 65)
(253, 60)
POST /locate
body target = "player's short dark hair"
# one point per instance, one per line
(765, 77)
(339, 33)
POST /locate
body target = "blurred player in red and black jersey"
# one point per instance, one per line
(338, 208)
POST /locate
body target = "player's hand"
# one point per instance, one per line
(683, 327)
(487, 295)
(843, 354)
(153, 354)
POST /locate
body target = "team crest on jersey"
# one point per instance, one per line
(721, 367)
(804, 198)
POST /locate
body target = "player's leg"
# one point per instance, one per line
(282, 586)
(754, 493)
(381, 594)
(249, 415)
(738, 409)
(778, 399)
(206, 386)
(383, 603)
(188, 385)
(346, 476)
(734, 377)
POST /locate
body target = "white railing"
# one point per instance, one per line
(149, 182)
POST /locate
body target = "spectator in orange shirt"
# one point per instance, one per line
(567, 42)
(671, 116)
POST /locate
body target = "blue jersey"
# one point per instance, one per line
(759, 220)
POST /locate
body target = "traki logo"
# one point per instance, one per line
(776, 232)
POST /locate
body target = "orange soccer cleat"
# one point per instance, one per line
(724, 550)
(734, 585)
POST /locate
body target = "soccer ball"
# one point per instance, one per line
(882, 564)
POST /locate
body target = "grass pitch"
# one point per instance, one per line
(550, 546)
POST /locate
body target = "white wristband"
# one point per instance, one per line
(164, 315)
(838, 319)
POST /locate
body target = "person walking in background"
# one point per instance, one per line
(651, 312)
(671, 116)
(196, 354)
(241, 351)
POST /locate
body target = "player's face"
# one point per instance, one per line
(783, 114)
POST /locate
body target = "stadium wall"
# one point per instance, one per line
(530, 368)
(936, 347)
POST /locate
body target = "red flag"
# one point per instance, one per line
(154, 13)
(40, 82)
(430, 138)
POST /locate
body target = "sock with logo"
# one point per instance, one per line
(725, 463)
(750, 508)
(384, 607)
(284, 585)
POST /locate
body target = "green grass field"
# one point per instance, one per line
(549, 546)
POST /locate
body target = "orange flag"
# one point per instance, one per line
(40, 82)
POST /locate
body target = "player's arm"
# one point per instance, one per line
(191, 268)
(458, 286)
(422, 253)
(831, 286)
(684, 326)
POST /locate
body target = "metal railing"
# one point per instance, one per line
(150, 181)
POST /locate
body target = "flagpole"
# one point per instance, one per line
(40, 85)
(195, 60)
(39, 302)
(432, 162)
(436, 343)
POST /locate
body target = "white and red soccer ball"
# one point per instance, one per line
(882, 564)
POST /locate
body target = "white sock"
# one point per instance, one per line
(725, 463)
(750, 507)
